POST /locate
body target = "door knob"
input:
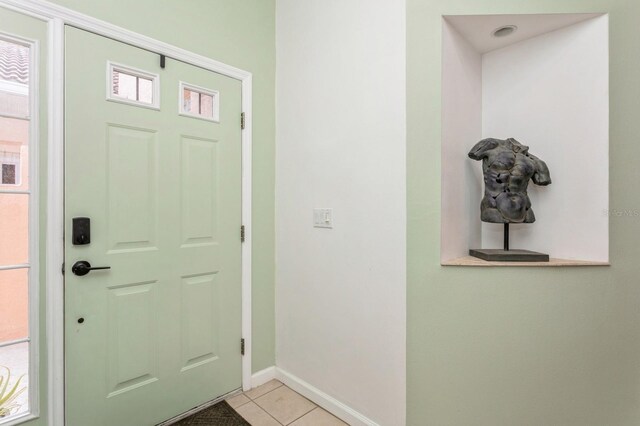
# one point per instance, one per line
(82, 268)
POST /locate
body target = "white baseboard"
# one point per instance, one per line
(262, 377)
(320, 398)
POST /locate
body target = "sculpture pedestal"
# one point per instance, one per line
(497, 255)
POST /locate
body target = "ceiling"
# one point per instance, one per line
(478, 29)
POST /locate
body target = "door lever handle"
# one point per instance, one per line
(82, 268)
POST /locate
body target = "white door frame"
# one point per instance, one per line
(57, 17)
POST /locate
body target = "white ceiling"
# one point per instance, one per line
(478, 29)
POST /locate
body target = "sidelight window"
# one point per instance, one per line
(18, 230)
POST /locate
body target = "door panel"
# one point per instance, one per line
(199, 190)
(200, 321)
(159, 332)
(132, 335)
(131, 158)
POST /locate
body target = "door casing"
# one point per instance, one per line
(57, 17)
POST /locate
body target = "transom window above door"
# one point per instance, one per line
(133, 86)
(199, 102)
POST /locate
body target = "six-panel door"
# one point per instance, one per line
(158, 174)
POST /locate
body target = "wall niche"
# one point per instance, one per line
(545, 84)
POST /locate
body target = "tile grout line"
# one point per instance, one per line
(253, 399)
(259, 406)
(315, 406)
(295, 420)
(263, 409)
(268, 413)
(238, 406)
(282, 384)
(244, 403)
(313, 403)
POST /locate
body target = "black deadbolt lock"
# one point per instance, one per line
(81, 233)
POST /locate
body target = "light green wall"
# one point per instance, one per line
(242, 34)
(521, 346)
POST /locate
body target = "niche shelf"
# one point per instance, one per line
(546, 85)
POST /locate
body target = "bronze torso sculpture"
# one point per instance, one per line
(507, 167)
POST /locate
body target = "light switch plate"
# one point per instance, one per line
(323, 218)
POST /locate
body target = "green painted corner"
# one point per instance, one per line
(520, 346)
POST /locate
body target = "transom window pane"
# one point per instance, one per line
(125, 85)
(145, 90)
(199, 102)
(206, 105)
(133, 86)
(191, 101)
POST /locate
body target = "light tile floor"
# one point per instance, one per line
(274, 404)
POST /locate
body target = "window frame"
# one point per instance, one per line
(136, 72)
(33, 264)
(202, 90)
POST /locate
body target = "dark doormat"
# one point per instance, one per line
(220, 414)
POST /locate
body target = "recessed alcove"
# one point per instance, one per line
(545, 84)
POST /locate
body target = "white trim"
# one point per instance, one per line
(263, 376)
(12, 267)
(203, 91)
(55, 225)
(247, 173)
(125, 69)
(22, 41)
(57, 16)
(14, 342)
(14, 88)
(329, 403)
(15, 116)
(8, 191)
(22, 418)
(34, 228)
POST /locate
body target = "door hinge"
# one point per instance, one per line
(62, 269)
(242, 120)
(242, 234)
(242, 346)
